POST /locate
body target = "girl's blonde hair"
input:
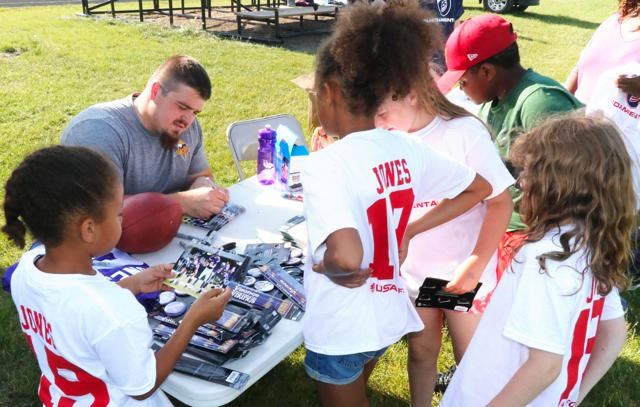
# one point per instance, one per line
(434, 102)
(577, 171)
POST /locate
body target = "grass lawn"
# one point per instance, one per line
(65, 63)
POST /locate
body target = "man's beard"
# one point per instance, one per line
(168, 141)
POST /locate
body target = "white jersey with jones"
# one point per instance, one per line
(90, 336)
(557, 310)
(368, 181)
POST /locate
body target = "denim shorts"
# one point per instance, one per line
(338, 369)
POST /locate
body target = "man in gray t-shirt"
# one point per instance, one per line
(154, 138)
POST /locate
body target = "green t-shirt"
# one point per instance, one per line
(532, 100)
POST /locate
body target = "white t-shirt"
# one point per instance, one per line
(437, 252)
(90, 336)
(367, 181)
(624, 110)
(555, 311)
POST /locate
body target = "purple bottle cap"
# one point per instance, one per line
(267, 132)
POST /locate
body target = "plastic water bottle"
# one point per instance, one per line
(266, 151)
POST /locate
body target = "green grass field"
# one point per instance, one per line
(53, 64)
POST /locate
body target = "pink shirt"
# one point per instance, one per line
(606, 49)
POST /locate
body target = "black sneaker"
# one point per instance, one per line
(443, 379)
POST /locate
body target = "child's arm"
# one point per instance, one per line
(609, 342)
(342, 259)
(207, 308)
(535, 375)
(446, 210)
(493, 227)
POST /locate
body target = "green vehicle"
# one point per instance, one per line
(506, 6)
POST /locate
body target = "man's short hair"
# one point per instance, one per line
(184, 70)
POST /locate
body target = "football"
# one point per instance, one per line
(149, 221)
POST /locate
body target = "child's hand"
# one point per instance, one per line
(630, 85)
(466, 276)
(348, 280)
(148, 280)
(208, 307)
(152, 279)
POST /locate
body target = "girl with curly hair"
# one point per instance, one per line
(359, 192)
(556, 316)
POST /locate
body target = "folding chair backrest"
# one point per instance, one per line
(242, 136)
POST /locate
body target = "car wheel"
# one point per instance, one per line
(498, 6)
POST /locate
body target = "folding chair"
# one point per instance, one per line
(242, 137)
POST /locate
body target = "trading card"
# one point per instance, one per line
(216, 358)
(286, 284)
(431, 295)
(211, 372)
(267, 253)
(197, 340)
(231, 321)
(260, 300)
(201, 268)
(268, 319)
(217, 221)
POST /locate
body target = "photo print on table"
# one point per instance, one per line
(228, 213)
(201, 268)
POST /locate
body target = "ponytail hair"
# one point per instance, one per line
(14, 228)
(50, 186)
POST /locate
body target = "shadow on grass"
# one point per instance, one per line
(559, 20)
(307, 43)
(545, 18)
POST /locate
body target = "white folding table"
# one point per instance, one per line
(266, 211)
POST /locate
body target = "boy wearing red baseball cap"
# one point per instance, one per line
(482, 56)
